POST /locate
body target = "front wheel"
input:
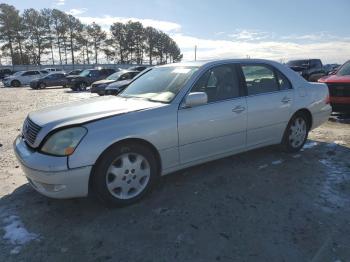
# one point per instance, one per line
(124, 174)
(82, 86)
(42, 85)
(296, 133)
(16, 83)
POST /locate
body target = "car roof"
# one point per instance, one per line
(201, 63)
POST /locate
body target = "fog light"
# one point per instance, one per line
(57, 188)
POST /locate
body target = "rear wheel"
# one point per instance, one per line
(82, 86)
(296, 133)
(16, 83)
(124, 174)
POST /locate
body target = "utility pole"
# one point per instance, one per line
(195, 53)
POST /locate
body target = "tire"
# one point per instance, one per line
(296, 133)
(42, 85)
(16, 83)
(82, 86)
(124, 174)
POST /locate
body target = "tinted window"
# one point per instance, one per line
(315, 64)
(219, 83)
(31, 73)
(259, 79)
(94, 73)
(344, 70)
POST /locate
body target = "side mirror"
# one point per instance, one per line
(196, 99)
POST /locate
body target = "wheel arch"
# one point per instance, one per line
(125, 141)
(16, 80)
(306, 112)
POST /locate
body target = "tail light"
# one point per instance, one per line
(327, 99)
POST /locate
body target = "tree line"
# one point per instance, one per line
(55, 37)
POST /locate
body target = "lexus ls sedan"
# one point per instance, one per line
(173, 117)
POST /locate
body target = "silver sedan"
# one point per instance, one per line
(170, 118)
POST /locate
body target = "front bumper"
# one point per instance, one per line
(52, 181)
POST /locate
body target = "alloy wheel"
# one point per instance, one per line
(128, 176)
(297, 132)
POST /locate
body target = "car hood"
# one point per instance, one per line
(78, 112)
(335, 79)
(118, 84)
(104, 81)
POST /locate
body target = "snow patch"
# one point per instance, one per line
(310, 145)
(277, 162)
(16, 234)
(263, 166)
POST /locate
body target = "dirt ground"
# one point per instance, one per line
(264, 205)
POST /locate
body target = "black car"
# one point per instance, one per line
(137, 68)
(117, 87)
(75, 72)
(100, 86)
(310, 69)
(87, 77)
(5, 72)
(52, 79)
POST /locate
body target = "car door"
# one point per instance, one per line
(269, 99)
(217, 128)
(33, 75)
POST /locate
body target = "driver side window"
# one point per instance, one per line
(219, 83)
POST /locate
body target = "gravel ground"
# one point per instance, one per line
(264, 205)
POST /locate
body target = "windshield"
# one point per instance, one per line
(115, 76)
(298, 63)
(344, 70)
(18, 73)
(160, 84)
(85, 73)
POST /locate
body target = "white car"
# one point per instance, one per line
(22, 78)
(172, 117)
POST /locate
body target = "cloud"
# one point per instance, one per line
(60, 2)
(76, 11)
(107, 21)
(329, 51)
(250, 35)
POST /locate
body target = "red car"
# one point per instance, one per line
(339, 88)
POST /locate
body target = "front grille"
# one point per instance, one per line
(30, 131)
(339, 89)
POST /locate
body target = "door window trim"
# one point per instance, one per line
(237, 68)
(273, 69)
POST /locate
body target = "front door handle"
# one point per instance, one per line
(238, 109)
(286, 100)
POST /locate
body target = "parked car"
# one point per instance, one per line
(21, 78)
(310, 69)
(339, 88)
(87, 77)
(117, 87)
(52, 79)
(173, 117)
(44, 72)
(137, 68)
(5, 72)
(75, 72)
(100, 86)
(53, 69)
(331, 68)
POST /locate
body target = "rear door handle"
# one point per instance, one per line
(286, 100)
(238, 109)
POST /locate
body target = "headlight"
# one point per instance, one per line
(64, 142)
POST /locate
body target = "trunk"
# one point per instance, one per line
(20, 50)
(59, 49)
(11, 50)
(72, 48)
(95, 45)
(51, 46)
(87, 53)
(65, 50)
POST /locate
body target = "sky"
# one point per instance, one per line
(273, 29)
